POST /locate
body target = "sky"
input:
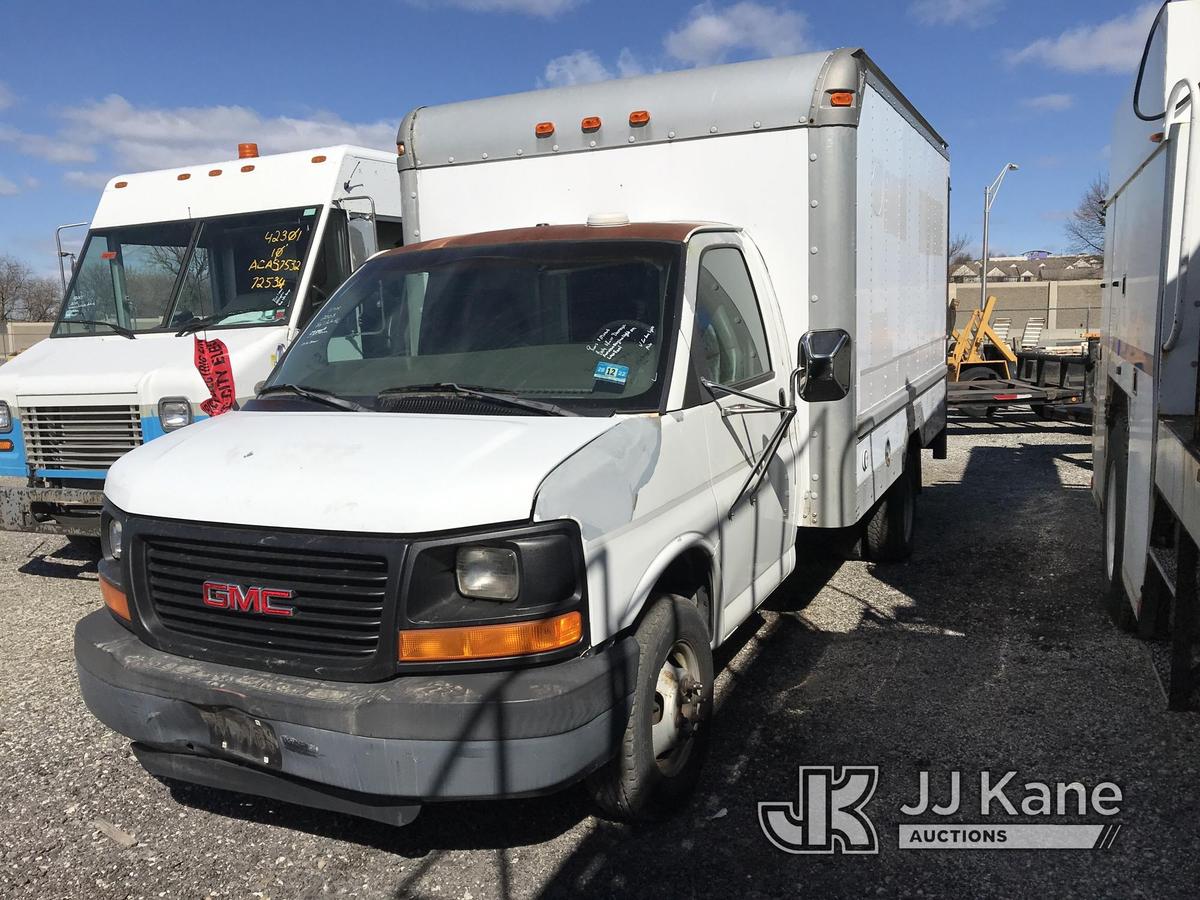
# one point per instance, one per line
(89, 91)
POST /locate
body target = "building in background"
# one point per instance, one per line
(1062, 291)
(16, 337)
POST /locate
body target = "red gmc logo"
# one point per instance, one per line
(235, 598)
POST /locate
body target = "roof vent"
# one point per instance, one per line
(607, 220)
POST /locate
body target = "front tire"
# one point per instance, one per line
(666, 735)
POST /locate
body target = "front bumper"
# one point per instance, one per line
(376, 749)
(49, 510)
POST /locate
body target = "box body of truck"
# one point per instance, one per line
(1146, 444)
(552, 452)
(266, 239)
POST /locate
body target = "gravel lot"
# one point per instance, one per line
(986, 651)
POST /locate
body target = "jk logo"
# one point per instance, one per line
(829, 817)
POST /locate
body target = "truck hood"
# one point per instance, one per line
(152, 366)
(382, 473)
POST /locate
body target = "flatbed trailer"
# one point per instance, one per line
(976, 397)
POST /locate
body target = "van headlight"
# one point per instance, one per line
(174, 413)
(5, 417)
(115, 539)
(488, 573)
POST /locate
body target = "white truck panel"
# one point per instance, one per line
(901, 258)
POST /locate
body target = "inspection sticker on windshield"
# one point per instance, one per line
(610, 372)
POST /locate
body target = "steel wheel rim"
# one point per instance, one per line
(676, 711)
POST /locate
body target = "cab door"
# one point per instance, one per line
(736, 343)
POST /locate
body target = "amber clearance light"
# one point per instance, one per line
(114, 599)
(490, 641)
(841, 98)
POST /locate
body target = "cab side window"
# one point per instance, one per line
(730, 344)
(331, 265)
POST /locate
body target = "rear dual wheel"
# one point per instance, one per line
(888, 534)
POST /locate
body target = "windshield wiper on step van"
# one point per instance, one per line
(314, 394)
(479, 393)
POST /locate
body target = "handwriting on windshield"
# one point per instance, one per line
(615, 338)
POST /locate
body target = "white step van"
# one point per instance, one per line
(482, 530)
(239, 253)
(1146, 425)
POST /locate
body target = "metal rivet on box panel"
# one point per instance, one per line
(413, 195)
(416, 234)
(812, 250)
(813, 298)
(555, 148)
(814, 203)
(815, 434)
(816, 478)
(812, 157)
(591, 143)
(520, 152)
(758, 124)
(452, 159)
(632, 139)
(485, 156)
(712, 129)
(670, 134)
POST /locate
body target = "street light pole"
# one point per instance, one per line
(989, 197)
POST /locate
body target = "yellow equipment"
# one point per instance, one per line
(979, 352)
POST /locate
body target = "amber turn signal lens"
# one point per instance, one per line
(544, 129)
(490, 641)
(5, 446)
(114, 599)
(841, 98)
(639, 117)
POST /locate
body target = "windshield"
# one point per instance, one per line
(579, 324)
(238, 270)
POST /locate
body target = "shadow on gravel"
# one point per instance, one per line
(68, 560)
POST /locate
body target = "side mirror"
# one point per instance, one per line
(825, 358)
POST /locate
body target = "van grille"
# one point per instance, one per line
(80, 437)
(338, 598)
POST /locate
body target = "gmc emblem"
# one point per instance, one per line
(235, 598)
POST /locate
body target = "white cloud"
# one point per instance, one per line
(710, 33)
(7, 97)
(585, 67)
(971, 13)
(545, 8)
(8, 188)
(1111, 46)
(147, 137)
(1049, 102)
(52, 149)
(580, 67)
(89, 180)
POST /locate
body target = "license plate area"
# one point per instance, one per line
(235, 735)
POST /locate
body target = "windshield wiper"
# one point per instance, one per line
(216, 318)
(314, 394)
(119, 329)
(479, 393)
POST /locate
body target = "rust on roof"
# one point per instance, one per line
(635, 231)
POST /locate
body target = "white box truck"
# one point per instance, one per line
(240, 253)
(1146, 445)
(481, 531)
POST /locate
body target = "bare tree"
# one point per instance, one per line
(24, 295)
(958, 253)
(1085, 227)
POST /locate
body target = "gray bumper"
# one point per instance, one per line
(374, 750)
(25, 508)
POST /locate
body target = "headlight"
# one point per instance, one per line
(114, 538)
(174, 413)
(5, 417)
(487, 573)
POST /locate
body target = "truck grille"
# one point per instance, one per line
(338, 598)
(80, 437)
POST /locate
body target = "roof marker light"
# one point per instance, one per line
(247, 151)
(182, 177)
(247, 168)
(543, 129)
(318, 159)
(590, 124)
(400, 148)
(841, 98)
(213, 173)
(639, 117)
(121, 184)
